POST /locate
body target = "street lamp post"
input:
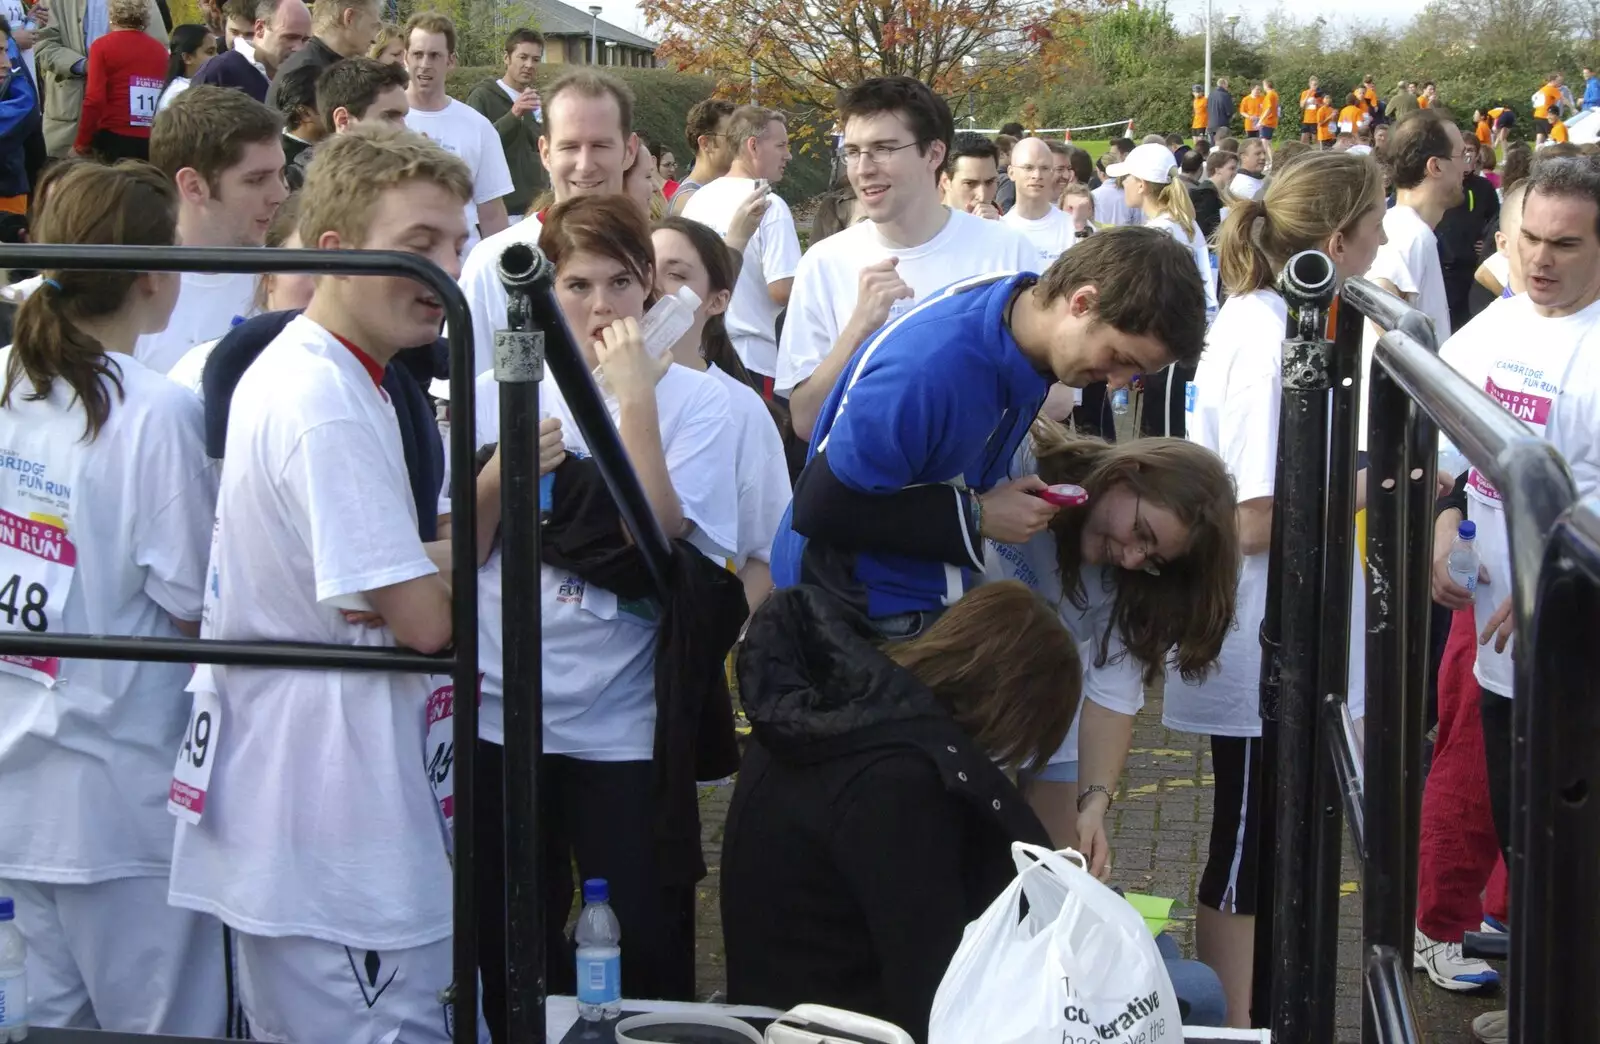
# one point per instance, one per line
(594, 37)
(1208, 46)
(611, 53)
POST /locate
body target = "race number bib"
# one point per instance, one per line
(191, 775)
(144, 93)
(440, 750)
(36, 566)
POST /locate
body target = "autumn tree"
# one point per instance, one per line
(798, 54)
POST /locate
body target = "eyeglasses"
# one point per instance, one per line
(1147, 541)
(1030, 168)
(879, 153)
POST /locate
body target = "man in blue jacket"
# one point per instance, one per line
(904, 478)
(19, 115)
(1591, 90)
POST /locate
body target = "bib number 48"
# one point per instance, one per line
(25, 601)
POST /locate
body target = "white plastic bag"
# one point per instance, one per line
(1077, 967)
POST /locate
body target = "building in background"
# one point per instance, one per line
(570, 32)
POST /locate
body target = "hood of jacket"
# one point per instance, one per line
(810, 671)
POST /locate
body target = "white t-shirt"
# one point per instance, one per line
(762, 469)
(1118, 684)
(190, 370)
(319, 819)
(207, 306)
(178, 85)
(1111, 206)
(486, 296)
(773, 253)
(1052, 235)
(1246, 186)
(1545, 373)
(465, 132)
(827, 282)
(1233, 411)
(1409, 260)
(1196, 242)
(84, 765)
(599, 651)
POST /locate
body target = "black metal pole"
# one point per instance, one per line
(1307, 284)
(1383, 880)
(518, 368)
(1333, 682)
(464, 573)
(571, 373)
(1560, 837)
(1388, 1007)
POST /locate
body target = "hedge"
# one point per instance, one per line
(662, 100)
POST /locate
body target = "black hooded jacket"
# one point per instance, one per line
(866, 830)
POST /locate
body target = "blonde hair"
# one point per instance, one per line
(129, 14)
(387, 34)
(325, 14)
(1302, 206)
(1173, 201)
(352, 170)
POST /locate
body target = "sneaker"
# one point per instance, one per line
(1490, 924)
(1492, 1027)
(1448, 969)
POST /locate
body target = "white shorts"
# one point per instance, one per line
(307, 990)
(115, 956)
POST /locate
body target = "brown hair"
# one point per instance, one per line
(590, 83)
(129, 204)
(1516, 166)
(431, 22)
(1189, 606)
(704, 119)
(1006, 668)
(751, 121)
(1300, 208)
(285, 225)
(1148, 285)
(611, 226)
(352, 170)
(128, 14)
(353, 84)
(326, 14)
(1420, 137)
(207, 129)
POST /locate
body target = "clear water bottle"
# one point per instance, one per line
(1463, 560)
(599, 954)
(13, 976)
(1119, 401)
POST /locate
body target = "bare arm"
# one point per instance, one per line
(757, 579)
(1255, 525)
(416, 611)
(640, 428)
(805, 402)
(779, 289)
(492, 217)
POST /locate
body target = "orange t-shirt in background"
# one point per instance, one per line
(1308, 106)
(1250, 109)
(1558, 131)
(1199, 115)
(1422, 101)
(1325, 120)
(1483, 131)
(1350, 118)
(1269, 109)
(1551, 96)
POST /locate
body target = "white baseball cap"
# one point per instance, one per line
(1153, 163)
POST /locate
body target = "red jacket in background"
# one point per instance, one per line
(127, 70)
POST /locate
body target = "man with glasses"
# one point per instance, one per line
(1428, 160)
(1461, 233)
(1036, 214)
(705, 130)
(897, 133)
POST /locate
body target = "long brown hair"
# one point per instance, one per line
(1188, 608)
(1006, 668)
(130, 204)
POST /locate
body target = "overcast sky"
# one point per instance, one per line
(626, 13)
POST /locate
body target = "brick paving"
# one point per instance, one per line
(1158, 836)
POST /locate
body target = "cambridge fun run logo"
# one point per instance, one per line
(1141, 1022)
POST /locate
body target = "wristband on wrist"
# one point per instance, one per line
(1094, 788)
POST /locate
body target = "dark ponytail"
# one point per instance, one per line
(129, 204)
(716, 348)
(186, 40)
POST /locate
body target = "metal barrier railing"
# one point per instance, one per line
(1315, 766)
(539, 336)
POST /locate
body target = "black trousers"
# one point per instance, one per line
(1496, 713)
(598, 820)
(110, 146)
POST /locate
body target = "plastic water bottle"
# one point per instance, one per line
(1119, 401)
(599, 955)
(1463, 560)
(13, 976)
